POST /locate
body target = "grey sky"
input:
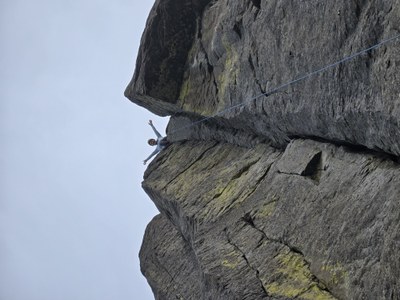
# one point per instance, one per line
(72, 213)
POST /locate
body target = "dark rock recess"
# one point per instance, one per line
(291, 196)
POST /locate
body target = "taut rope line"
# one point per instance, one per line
(301, 78)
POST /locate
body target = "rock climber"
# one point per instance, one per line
(161, 142)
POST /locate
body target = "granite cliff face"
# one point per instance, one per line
(295, 195)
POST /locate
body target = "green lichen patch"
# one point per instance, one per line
(268, 208)
(293, 278)
(231, 260)
(186, 95)
(237, 190)
(185, 89)
(335, 273)
(315, 293)
(231, 69)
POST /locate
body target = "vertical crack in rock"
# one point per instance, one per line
(315, 281)
(210, 67)
(167, 259)
(338, 214)
(165, 269)
(257, 272)
(277, 267)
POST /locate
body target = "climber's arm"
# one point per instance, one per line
(151, 155)
(154, 129)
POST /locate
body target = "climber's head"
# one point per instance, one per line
(152, 142)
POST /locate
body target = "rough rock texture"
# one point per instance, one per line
(233, 50)
(291, 196)
(314, 222)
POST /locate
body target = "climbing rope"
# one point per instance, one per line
(301, 78)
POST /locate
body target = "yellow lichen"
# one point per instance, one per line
(231, 260)
(224, 199)
(185, 89)
(285, 289)
(315, 293)
(192, 105)
(231, 70)
(268, 208)
(229, 264)
(336, 273)
(293, 278)
(227, 77)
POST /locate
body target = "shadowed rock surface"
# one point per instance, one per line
(291, 196)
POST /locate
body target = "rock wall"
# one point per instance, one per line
(292, 195)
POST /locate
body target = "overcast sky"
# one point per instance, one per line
(72, 212)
